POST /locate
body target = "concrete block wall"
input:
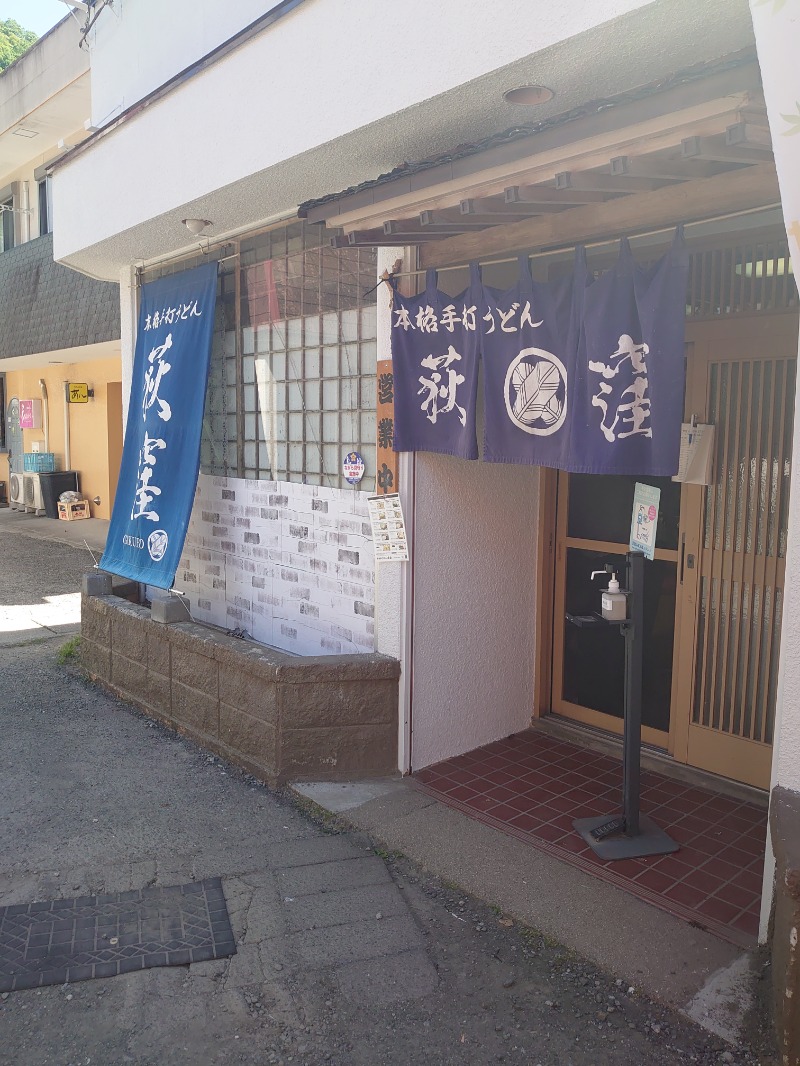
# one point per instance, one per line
(292, 565)
(280, 716)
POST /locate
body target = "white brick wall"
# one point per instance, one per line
(292, 565)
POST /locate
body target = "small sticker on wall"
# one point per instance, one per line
(353, 468)
(388, 528)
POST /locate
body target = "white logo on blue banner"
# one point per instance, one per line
(157, 544)
(536, 392)
(161, 454)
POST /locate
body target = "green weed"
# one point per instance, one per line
(68, 652)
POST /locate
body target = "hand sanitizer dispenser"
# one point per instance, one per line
(614, 603)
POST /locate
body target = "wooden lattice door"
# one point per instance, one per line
(741, 379)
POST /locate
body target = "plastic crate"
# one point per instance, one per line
(38, 462)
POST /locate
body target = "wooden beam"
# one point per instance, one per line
(568, 179)
(754, 113)
(691, 201)
(683, 105)
(451, 218)
(669, 169)
(542, 195)
(499, 210)
(395, 227)
(371, 238)
(747, 133)
(717, 149)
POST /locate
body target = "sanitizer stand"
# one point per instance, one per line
(631, 834)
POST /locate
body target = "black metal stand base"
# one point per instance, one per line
(650, 840)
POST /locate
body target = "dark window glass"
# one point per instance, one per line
(594, 659)
(7, 216)
(44, 214)
(600, 508)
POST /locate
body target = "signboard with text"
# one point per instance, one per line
(161, 454)
(644, 521)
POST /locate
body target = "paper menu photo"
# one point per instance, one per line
(388, 528)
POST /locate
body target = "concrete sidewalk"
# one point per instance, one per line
(93, 797)
(710, 980)
(344, 957)
(42, 565)
(88, 533)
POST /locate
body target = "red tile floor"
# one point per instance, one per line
(532, 786)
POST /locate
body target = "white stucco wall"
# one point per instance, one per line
(140, 44)
(786, 758)
(474, 603)
(319, 73)
(341, 45)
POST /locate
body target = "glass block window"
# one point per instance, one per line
(308, 357)
(293, 361)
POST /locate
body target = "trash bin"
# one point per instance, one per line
(53, 485)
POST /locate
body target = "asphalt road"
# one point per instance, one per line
(344, 955)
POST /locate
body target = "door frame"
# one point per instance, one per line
(656, 738)
(701, 332)
(715, 750)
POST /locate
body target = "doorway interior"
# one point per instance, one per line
(714, 591)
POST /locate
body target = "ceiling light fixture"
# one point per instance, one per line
(196, 225)
(22, 131)
(528, 95)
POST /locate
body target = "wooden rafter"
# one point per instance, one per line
(750, 134)
(661, 167)
(647, 126)
(497, 210)
(591, 182)
(373, 237)
(718, 149)
(737, 190)
(545, 195)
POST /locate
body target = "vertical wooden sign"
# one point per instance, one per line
(386, 479)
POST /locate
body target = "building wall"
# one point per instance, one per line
(474, 602)
(292, 565)
(89, 423)
(453, 43)
(44, 99)
(21, 180)
(46, 307)
(168, 161)
(123, 74)
(54, 65)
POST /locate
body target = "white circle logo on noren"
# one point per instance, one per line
(536, 392)
(157, 544)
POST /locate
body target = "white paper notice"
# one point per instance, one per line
(388, 528)
(697, 454)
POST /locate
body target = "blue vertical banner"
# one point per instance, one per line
(435, 340)
(161, 454)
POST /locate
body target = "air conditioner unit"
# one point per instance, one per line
(16, 497)
(32, 492)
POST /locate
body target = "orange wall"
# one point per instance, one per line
(95, 427)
